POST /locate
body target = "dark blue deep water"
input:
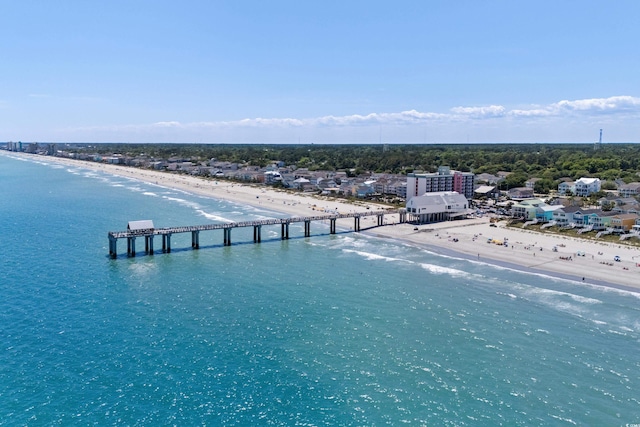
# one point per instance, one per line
(334, 330)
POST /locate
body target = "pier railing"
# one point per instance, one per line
(149, 233)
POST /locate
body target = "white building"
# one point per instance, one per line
(437, 206)
(587, 186)
(583, 187)
(444, 180)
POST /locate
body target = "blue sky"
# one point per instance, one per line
(319, 71)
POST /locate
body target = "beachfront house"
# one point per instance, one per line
(365, 189)
(271, 177)
(562, 217)
(528, 209)
(531, 209)
(437, 206)
(589, 216)
(545, 212)
(601, 221)
(300, 183)
(623, 222)
(574, 216)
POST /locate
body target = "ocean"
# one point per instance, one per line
(331, 330)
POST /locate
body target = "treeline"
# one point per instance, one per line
(550, 162)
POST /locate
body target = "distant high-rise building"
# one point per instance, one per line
(445, 179)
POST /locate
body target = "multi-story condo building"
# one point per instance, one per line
(444, 180)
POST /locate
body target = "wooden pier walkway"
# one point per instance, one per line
(149, 233)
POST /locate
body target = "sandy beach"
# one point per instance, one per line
(575, 259)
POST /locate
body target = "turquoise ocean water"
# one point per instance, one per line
(335, 330)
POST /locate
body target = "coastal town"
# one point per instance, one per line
(580, 206)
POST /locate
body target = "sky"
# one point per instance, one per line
(322, 72)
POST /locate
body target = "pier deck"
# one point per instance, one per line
(166, 233)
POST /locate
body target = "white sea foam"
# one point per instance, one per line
(212, 217)
(609, 289)
(437, 269)
(261, 217)
(182, 202)
(372, 256)
(551, 292)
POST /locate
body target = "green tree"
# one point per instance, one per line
(607, 205)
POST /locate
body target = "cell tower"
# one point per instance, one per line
(599, 143)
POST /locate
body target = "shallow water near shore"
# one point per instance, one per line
(338, 329)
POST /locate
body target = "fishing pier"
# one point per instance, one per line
(145, 230)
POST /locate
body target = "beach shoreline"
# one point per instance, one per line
(580, 260)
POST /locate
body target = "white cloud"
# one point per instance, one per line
(621, 105)
(167, 125)
(531, 113)
(492, 123)
(404, 117)
(599, 105)
(490, 111)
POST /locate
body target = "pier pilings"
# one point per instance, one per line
(113, 246)
(131, 246)
(166, 243)
(285, 231)
(195, 230)
(148, 244)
